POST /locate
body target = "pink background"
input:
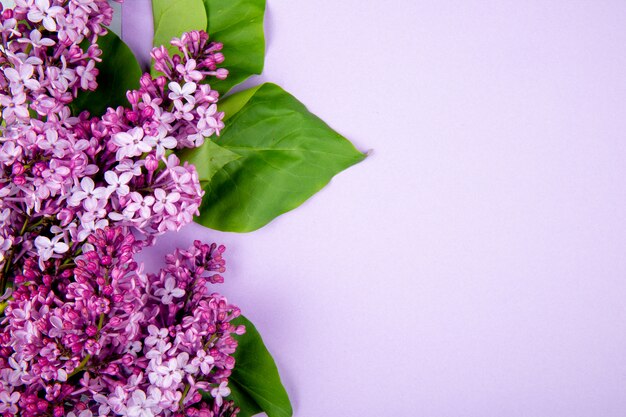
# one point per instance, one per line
(475, 264)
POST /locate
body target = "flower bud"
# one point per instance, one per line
(132, 116)
(147, 112)
(65, 216)
(161, 82)
(221, 73)
(39, 168)
(133, 97)
(145, 81)
(42, 405)
(91, 330)
(18, 169)
(151, 163)
(159, 53)
(218, 57)
(75, 53)
(19, 180)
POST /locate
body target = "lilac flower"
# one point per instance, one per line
(140, 405)
(43, 12)
(203, 361)
(171, 399)
(130, 143)
(87, 194)
(18, 372)
(141, 205)
(125, 217)
(156, 335)
(128, 165)
(183, 111)
(8, 402)
(46, 247)
(157, 353)
(220, 391)
(189, 72)
(89, 224)
(169, 291)
(84, 413)
(7, 28)
(161, 142)
(171, 378)
(167, 374)
(56, 172)
(87, 75)
(5, 245)
(14, 107)
(210, 120)
(165, 201)
(37, 40)
(10, 152)
(85, 328)
(22, 76)
(177, 92)
(118, 184)
(116, 401)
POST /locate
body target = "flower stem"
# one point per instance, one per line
(81, 366)
(182, 398)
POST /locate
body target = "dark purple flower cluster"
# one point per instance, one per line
(102, 337)
(85, 331)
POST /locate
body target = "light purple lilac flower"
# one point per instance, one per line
(84, 173)
(86, 332)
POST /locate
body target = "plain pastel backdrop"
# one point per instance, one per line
(474, 265)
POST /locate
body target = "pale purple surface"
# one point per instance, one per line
(475, 264)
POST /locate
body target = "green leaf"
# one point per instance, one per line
(255, 384)
(208, 159)
(286, 154)
(174, 17)
(119, 72)
(235, 102)
(238, 24)
(246, 404)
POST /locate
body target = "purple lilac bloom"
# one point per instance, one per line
(95, 334)
(64, 176)
(85, 331)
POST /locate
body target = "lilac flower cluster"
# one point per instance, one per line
(63, 177)
(86, 332)
(106, 339)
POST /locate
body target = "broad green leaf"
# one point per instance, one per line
(255, 383)
(246, 404)
(208, 159)
(119, 72)
(238, 24)
(235, 102)
(174, 17)
(286, 154)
